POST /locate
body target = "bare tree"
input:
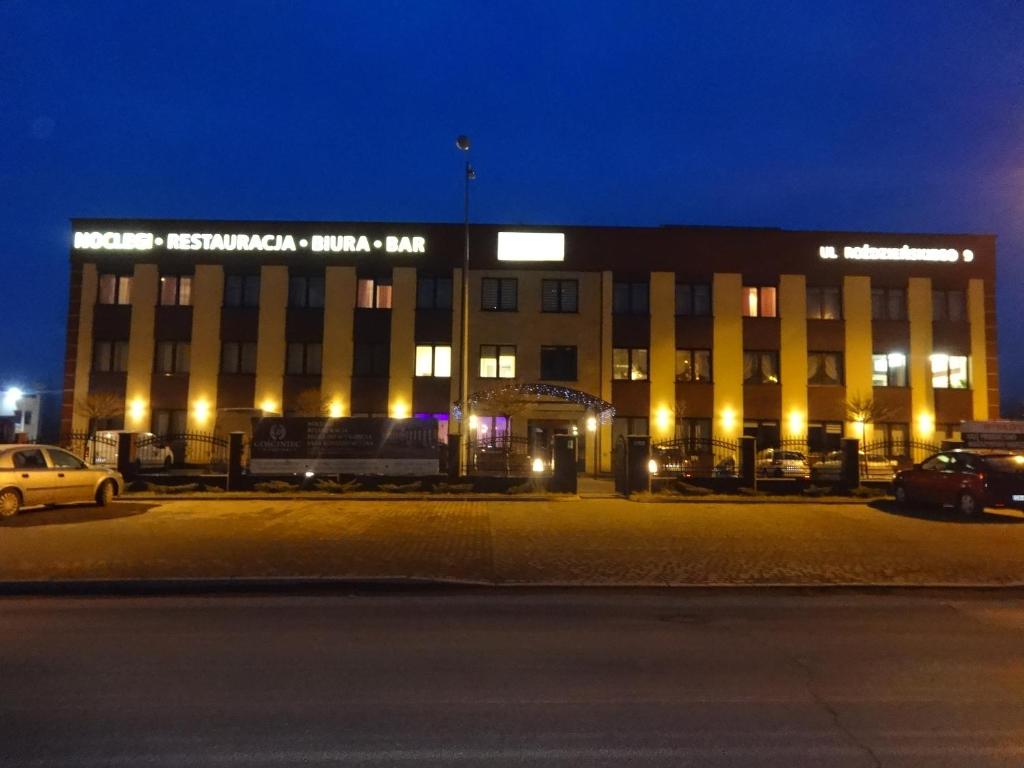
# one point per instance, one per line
(310, 403)
(865, 409)
(98, 406)
(506, 401)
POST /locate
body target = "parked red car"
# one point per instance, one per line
(969, 480)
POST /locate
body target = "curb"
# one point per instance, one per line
(227, 496)
(399, 584)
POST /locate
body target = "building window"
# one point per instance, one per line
(373, 293)
(693, 365)
(630, 298)
(499, 294)
(434, 360)
(895, 438)
(889, 370)
(110, 356)
(172, 356)
(559, 295)
(176, 291)
(694, 432)
(693, 299)
(948, 306)
(238, 357)
(370, 360)
(303, 359)
(759, 301)
(629, 364)
(825, 368)
(949, 371)
(628, 425)
(434, 293)
(306, 291)
(761, 367)
(170, 422)
(824, 436)
(558, 363)
(766, 433)
(888, 304)
(115, 289)
(490, 430)
(497, 361)
(823, 304)
(242, 291)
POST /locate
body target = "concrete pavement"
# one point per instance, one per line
(591, 542)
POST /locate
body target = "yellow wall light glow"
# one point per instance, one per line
(795, 421)
(925, 424)
(334, 410)
(137, 409)
(399, 410)
(664, 418)
(201, 411)
(591, 424)
(728, 419)
(538, 465)
(268, 405)
(472, 421)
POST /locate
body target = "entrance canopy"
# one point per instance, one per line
(536, 392)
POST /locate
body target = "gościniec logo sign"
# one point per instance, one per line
(278, 432)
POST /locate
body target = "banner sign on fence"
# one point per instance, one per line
(993, 434)
(357, 446)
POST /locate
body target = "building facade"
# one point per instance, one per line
(686, 331)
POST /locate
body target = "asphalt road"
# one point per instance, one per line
(502, 678)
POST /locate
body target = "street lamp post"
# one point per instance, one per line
(462, 142)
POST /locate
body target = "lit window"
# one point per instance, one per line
(629, 364)
(693, 365)
(172, 357)
(497, 361)
(372, 293)
(114, 289)
(433, 360)
(759, 301)
(889, 370)
(949, 371)
(175, 291)
(761, 367)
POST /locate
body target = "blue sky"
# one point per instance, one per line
(905, 116)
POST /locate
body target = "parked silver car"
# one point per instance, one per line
(774, 462)
(33, 475)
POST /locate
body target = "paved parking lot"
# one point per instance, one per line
(590, 541)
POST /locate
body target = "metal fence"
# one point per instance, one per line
(507, 455)
(197, 450)
(92, 447)
(696, 457)
(905, 453)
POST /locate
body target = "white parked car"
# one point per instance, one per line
(776, 462)
(873, 466)
(150, 452)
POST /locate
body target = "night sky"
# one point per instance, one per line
(905, 116)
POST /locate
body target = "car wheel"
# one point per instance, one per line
(106, 493)
(967, 505)
(902, 500)
(10, 502)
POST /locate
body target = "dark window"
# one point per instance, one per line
(825, 368)
(895, 436)
(170, 422)
(630, 298)
(238, 357)
(114, 289)
(629, 364)
(497, 361)
(693, 299)
(373, 293)
(499, 294)
(558, 363)
(766, 433)
(948, 306)
(32, 459)
(889, 370)
(824, 436)
(306, 291)
(370, 360)
(434, 293)
(694, 431)
(172, 357)
(888, 304)
(824, 304)
(175, 291)
(110, 356)
(304, 358)
(761, 367)
(693, 365)
(760, 301)
(559, 295)
(65, 460)
(242, 291)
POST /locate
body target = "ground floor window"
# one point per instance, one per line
(170, 422)
(693, 430)
(895, 438)
(442, 425)
(824, 436)
(628, 425)
(490, 429)
(766, 433)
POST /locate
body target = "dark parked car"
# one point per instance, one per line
(968, 480)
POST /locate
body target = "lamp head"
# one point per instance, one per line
(462, 142)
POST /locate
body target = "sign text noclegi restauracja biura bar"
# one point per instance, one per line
(216, 241)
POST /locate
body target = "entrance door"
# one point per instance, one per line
(542, 437)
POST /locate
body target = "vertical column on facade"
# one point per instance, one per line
(662, 362)
(455, 426)
(207, 298)
(605, 427)
(859, 346)
(339, 305)
(403, 342)
(979, 357)
(793, 355)
(922, 397)
(140, 347)
(83, 353)
(270, 342)
(727, 355)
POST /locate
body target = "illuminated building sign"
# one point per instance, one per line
(531, 246)
(216, 241)
(905, 253)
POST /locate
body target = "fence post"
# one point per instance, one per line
(851, 463)
(234, 480)
(126, 455)
(748, 461)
